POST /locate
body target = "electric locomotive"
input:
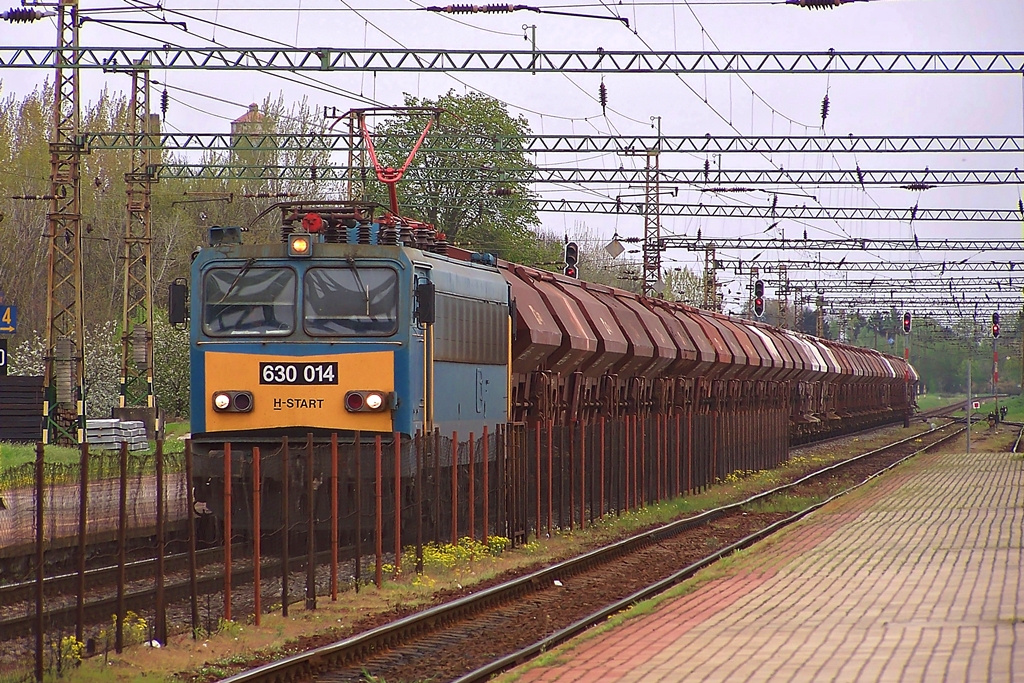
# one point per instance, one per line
(350, 328)
(353, 328)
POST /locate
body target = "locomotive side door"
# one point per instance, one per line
(422, 339)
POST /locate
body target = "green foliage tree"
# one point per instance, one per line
(171, 374)
(682, 284)
(102, 365)
(480, 200)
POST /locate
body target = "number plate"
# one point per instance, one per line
(298, 373)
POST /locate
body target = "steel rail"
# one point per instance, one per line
(564, 635)
(135, 570)
(99, 610)
(338, 654)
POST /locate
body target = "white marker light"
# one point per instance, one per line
(221, 401)
(374, 401)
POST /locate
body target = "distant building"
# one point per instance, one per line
(252, 141)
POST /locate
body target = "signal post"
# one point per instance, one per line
(572, 259)
(995, 363)
(906, 370)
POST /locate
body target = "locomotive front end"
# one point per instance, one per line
(306, 350)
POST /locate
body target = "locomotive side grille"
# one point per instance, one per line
(470, 331)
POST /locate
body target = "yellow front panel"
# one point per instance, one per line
(289, 405)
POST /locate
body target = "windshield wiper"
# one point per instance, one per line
(241, 272)
(359, 281)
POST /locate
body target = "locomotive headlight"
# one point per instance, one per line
(368, 401)
(300, 244)
(232, 401)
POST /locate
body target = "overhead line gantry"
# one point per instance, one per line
(64, 362)
(837, 244)
(716, 181)
(594, 144)
(802, 212)
(743, 266)
(326, 60)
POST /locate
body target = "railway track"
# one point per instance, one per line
(484, 632)
(61, 589)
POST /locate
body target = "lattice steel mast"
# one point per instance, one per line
(652, 218)
(64, 362)
(136, 385)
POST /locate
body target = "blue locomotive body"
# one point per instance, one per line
(343, 341)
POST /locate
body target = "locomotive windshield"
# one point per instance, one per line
(249, 301)
(351, 300)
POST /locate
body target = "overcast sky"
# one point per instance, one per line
(786, 104)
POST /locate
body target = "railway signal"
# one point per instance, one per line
(995, 326)
(572, 259)
(906, 322)
(759, 298)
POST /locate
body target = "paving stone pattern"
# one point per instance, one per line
(916, 577)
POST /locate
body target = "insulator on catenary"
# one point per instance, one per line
(707, 169)
(602, 96)
(860, 176)
(473, 9)
(503, 192)
(164, 100)
(824, 110)
(816, 4)
(23, 15)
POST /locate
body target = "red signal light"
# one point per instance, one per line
(354, 401)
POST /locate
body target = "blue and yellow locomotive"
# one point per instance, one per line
(351, 328)
(348, 326)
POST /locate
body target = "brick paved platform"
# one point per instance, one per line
(916, 577)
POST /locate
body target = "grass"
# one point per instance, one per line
(226, 647)
(932, 401)
(17, 454)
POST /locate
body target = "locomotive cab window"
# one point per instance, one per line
(351, 300)
(249, 301)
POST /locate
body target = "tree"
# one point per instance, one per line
(479, 199)
(682, 284)
(171, 374)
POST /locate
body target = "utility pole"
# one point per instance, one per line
(64, 373)
(710, 281)
(906, 377)
(820, 327)
(969, 402)
(782, 294)
(652, 216)
(137, 399)
(754, 277)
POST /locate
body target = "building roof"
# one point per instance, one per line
(251, 116)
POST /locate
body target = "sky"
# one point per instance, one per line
(716, 104)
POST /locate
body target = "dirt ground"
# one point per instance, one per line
(185, 659)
